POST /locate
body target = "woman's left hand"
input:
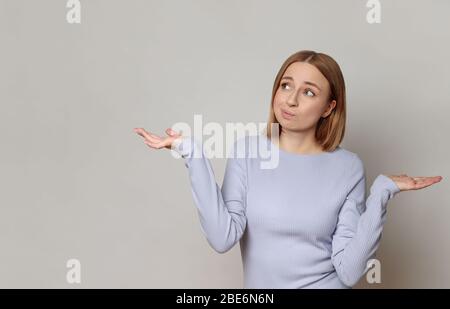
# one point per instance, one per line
(405, 182)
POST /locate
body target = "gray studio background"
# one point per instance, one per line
(77, 182)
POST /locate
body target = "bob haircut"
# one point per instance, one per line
(329, 130)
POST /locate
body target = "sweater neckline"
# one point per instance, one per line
(299, 155)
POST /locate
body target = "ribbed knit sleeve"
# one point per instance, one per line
(221, 210)
(360, 224)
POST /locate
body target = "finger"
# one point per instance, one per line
(425, 182)
(152, 139)
(171, 132)
(154, 135)
(142, 132)
(154, 145)
(422, 185)
(147, 135)
(149, 144)
(435, 178)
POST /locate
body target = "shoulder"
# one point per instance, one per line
(352, 162)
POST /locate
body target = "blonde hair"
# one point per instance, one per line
(329, 130)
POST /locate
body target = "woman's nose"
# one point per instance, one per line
(291, 102)
(292, 99)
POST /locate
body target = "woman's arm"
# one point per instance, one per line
(221, 211)
(360, 224)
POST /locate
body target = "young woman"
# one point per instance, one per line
(305, 223)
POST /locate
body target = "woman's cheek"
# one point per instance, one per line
(278, 106)
(277, 102)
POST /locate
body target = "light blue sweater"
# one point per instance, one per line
(304, 224)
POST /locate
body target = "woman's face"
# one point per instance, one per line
(302, 97)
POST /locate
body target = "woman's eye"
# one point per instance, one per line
(282, 85)
(309, 91)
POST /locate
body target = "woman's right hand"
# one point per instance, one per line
(157, 142)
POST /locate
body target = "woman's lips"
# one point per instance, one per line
(286, 115)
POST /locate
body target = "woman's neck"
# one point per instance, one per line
(299, 142)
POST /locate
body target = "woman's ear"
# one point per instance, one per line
(329, 109)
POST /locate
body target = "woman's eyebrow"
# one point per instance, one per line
(306, 82)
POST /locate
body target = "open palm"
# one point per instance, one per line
(405, 182)
(157, 142)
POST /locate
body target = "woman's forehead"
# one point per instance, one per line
(302, 72)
